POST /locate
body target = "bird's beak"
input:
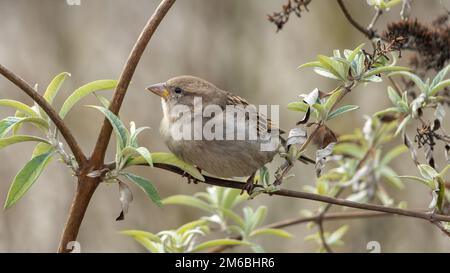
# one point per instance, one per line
(159, 89)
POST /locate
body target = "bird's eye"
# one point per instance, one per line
(178, 90)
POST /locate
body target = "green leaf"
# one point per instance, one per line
(258, 217)
(19, 106)
(384, 69)
(170, 159)
(400, 149)
(342, 110)
(402, 125)
(191, 225)
(232, 197)
(444, 171)
(121, 132)
(145, 154)
(85, 90)
(427, 171)
(391, 177)
(271, 231)
(331, 101)
(233, 216)
(298, 106)
(418, 81)
(104, 101)
(325, 73)
(440, 86)
(10, 122)
(440, 76)
(337, 235)
(146, 239)
(355, 52)
(54, 86)
(418, 179)
(311, 64)
(42, 148)
(389, 110)
(141, 151)
(187, 200)
(19, 138)
(146, 186)
(141, 233)
(349, 149)
(219, 242)
(334, 67)
(26, 177)
(393, 96)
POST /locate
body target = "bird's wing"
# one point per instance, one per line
(264, 124)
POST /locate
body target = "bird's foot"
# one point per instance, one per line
(190, 178)
(249, 185)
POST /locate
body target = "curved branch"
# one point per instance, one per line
(98, 155)
(314, 197)
(53, 115)
(368, 33)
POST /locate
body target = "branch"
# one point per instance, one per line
(98, 155)
(311, 196)
(86, 185)
(368, 33)
(302, 220)
(53, 115)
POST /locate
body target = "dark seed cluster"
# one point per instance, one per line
(292, 6)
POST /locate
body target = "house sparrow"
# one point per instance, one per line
(224, 156)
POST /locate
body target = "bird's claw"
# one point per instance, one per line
(248, 187)
(190, 178)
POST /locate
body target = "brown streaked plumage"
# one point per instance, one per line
(223, 158)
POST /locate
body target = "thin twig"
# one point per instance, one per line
(52, 114)
(425, 215)
(368, 33)
(302, 220)
(319, 222)
(374, 19)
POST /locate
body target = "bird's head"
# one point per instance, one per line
(182, 90)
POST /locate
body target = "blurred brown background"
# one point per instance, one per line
(228, 42)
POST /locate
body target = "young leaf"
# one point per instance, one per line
(298, 106)
(219, 242)
(146, 186)
(83, 91)
(20, 138)
(342, 110)
(440, 86)
(355, 52)
(19, 107)
(10, 122)
(271, 231)
(119, 129)
(54, 86)
(393, 96)
(42, 148)
(331, 101)
(383, 69)
(170, 159)
(187, 200)
(26, 177)
(400, 149)
(418, 81)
